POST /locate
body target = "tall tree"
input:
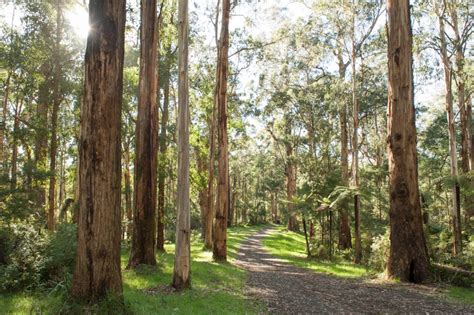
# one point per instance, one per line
(57, 76)
(182, 258)
(222, 204)
(163, 147)
(448, 77)
(408, 259)
(209, 214)
(355, 142)
(146, 136)
(97, 270)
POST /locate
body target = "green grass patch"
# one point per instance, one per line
(462, 295)
(291, 247)
(216, 288)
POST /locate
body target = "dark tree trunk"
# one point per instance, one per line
(220, 223)
(97, 272)
(146, 136)
(408, 258)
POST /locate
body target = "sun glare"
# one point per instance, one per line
(78, 17)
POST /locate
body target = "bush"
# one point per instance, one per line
(380, 251)
(60, 254)
(24, 253)
(34, 258)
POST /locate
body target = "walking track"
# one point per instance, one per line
(287, 289)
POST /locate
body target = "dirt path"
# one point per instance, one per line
(287, 289)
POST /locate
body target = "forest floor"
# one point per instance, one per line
(288, 285)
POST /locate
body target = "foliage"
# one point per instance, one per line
(25, 252)
(380, 250)
(35, 258)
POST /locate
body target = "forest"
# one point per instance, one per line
(236, 156)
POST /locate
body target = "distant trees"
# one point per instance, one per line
(408, 259)
(98, 270)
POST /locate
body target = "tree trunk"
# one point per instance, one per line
(128, 192)
(163, 144)
(54, 119)
(465, 110)
(355, 149)
(146, 136)
(222, 204)
(202, 167)
(16, 127)
(456, 210)
(209, 214)
(41, 140)
(3, 124)
(290, 174)
(97, 272)
(182, 260)
(308, 251)
(408, 259)
(230, 215)
(345, 238)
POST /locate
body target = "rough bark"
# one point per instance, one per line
(182, 260)
(222, 204)
(146, 136)
(456, 209)
(290, 175)
(408, 257)
(97, 272)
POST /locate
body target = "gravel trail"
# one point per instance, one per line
(287, 289)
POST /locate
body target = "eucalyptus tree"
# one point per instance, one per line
(222, 203)
(182, 258)
(408, 257)
(145, 192)
(98, 271)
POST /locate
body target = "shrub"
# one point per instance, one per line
(60, 254)
(34, 258)
(25, 250)
(380, 251)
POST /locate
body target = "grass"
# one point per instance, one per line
(291, 247)
(462, 295)
(216, 288)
